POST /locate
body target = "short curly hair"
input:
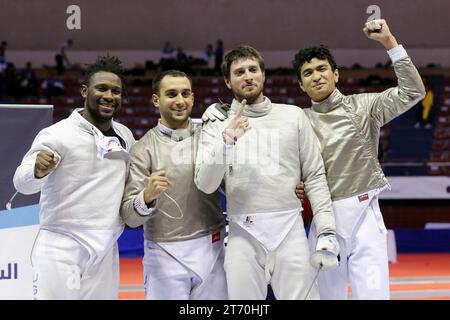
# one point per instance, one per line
(307, 54)
(104, 63)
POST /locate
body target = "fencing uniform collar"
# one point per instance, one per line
(77, 118)
(176, 134)
(110, 146)
(330, 103)
(254, 110)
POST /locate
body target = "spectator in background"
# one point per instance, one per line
(11, 81)
(424, 109)
(208, 55)
(28, 81)
(183, 62)
(53, 87)
(62, 59)
(2, 65)
(2, 87)
(218, 55)
(2, 71)
(168, 57)
(168, 51)
(3, 47)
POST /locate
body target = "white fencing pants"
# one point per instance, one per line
(169, 278)
(364, 261)
(250, 267)
(64, 270)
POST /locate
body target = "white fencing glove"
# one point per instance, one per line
(327, 252)
(215, 112)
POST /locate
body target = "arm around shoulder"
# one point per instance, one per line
(313, 175)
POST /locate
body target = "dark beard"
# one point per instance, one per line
(96, 115)
(251, 99)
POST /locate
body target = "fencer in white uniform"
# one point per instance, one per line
(79, 165)
(183, 227)
(261, 166)
(348, 128)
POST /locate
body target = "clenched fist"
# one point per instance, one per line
(46, 162)
(157, 184)
(378, 30)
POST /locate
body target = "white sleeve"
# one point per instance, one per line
(397, 53)
(211, 161)
(313, 175)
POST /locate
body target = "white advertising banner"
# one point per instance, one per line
(18, 230)
(19, 124)
(418, 188)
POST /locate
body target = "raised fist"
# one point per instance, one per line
(378, 30)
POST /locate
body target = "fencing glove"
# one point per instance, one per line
(215, 112)
(327, 252)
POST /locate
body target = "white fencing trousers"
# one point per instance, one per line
(364, 260)
(192, 271)
(250, 267)
(65, 270)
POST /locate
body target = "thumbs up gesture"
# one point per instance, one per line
(237, 127)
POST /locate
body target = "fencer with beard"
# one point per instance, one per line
(79, 165)
(261, 152)
(348, 128)
(183, 227)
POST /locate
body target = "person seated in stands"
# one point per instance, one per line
(168, 57)
(208, 55)
(11, 82)
(3, 47)
(28, 81)
(218, 55)
(53, 87)
(183, 61)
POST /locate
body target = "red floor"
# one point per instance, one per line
(414, 276)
